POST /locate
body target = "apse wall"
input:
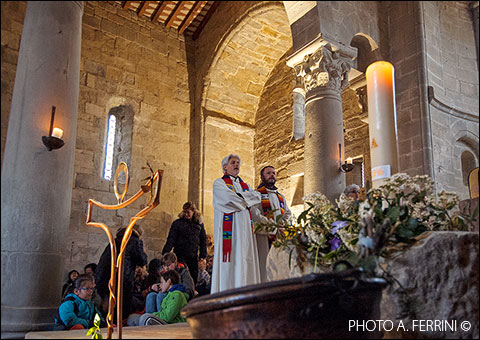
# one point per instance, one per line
(453, 91)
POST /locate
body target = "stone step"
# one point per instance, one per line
(173, 331)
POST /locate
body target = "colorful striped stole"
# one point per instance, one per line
(228, 220)
(266, 205)
(227, 236)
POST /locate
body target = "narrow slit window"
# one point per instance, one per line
(109, 148)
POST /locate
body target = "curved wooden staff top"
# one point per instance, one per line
(153, 186)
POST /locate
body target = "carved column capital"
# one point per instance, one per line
(324, 68)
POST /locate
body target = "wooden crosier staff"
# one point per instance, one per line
(153, 186)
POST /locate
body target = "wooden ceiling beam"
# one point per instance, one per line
(191, 15)
(159, 11)
(208, 15)
(126, 4)
(180, 5)
(143, 7)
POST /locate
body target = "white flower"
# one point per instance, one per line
(347, 238)
(420, 211)
(364, 210)
(313, 236)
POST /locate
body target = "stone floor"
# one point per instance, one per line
(174, 331)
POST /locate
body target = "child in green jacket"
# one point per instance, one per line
(172, 304)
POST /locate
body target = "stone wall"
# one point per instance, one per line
(341, 20)
(274, 142)
(356, 138)
(201, 53)
(13, 14)
(453, 79)
(217, 132)
(131, 62)
(436, 88)
(406, 56)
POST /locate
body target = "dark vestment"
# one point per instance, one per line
(187, 238)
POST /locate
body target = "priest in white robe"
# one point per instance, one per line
(235, 261)
(272, 205)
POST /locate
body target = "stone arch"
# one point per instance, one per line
(238, 57)
(469, 140)
(467, 155)
(468, 164)
(242, 61)
(367, 51)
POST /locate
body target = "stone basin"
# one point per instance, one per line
(311, 306)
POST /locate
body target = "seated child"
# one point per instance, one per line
(68, 286)
(77, 311)
(175, 299)
(203, 280)
(139, 289)
(170, 262)
(154, 299)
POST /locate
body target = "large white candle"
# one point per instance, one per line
(382, 120)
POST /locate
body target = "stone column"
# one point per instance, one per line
(37, 183)
(324, 72)
(473, 7)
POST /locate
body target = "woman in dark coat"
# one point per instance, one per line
(134, 256)
(187, 237)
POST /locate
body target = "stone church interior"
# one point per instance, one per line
(179, 85)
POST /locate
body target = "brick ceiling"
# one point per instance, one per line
(188, 17)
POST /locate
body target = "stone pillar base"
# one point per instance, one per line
(15, 322)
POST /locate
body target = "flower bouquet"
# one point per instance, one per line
(389, 218)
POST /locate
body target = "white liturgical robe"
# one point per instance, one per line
(242, 268)
(262, 238)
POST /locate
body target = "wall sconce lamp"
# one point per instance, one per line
(347, 166)
(54, 139)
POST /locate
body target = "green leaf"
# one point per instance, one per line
(303, 215)
(403, 232)
(97, 336)
(91, 330)
(393, 214)
(96, 320)
(290, 258)
(412, 223)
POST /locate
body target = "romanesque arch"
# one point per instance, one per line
(243, 60)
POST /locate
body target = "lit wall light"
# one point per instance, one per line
(54, 139)
(348, 165)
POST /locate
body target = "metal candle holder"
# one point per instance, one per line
(49, 141)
